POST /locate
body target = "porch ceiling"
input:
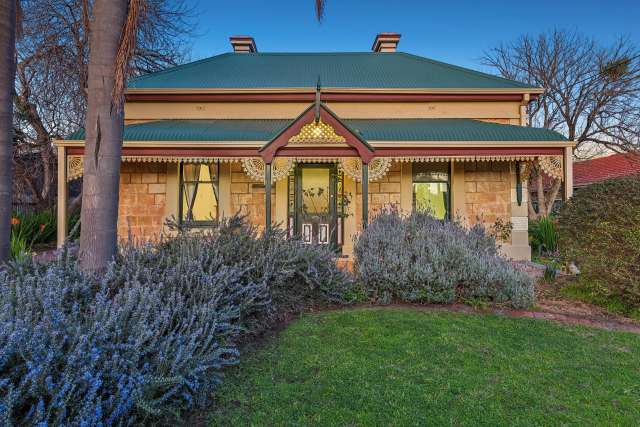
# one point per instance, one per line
(232, 131)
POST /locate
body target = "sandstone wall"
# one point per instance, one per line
(143, 191)
(248, 197)
(487, 191)
(384, 193)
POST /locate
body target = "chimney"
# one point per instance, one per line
(243, 44)
(386, 42)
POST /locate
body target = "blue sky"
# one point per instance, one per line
(452, 31)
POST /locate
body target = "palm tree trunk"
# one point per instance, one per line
(103, 145)
(7, 77)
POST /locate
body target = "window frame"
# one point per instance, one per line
(447, 215)
(216, 191)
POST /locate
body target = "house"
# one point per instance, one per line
(320, 142)
(600, 169)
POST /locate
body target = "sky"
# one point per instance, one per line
(458, 32)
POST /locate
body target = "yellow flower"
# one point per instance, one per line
(15, 221)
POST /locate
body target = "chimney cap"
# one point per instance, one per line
(243, 44)
(386, 42)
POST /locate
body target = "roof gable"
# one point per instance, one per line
(364, 70)
(324, 120)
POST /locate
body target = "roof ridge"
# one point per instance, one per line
(464, 69)
(412, 62)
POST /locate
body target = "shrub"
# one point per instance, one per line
(31, 229)
(543, 236)
(151, 336)
(37, 227)
(599, 231)
(422, 259)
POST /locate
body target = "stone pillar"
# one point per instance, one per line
(62, 197)
(519, 248)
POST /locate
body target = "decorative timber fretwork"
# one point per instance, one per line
(75, 163)
(317, 132)
(552, 166)
(254, 168)
(75, 167)
(470, 158)
(525, 171)
(378, 168)
(549, 165)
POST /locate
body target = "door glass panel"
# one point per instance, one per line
(315, 191)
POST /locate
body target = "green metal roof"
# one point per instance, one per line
(336, 70)
(369, 129)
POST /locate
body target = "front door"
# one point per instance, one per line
(316, 218)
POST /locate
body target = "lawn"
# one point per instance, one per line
(370, 367)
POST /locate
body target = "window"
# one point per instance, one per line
(431, 188)
(198, 193)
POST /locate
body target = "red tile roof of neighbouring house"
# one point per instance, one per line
(604, 168)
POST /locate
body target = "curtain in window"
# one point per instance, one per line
(191, 175)
(431, 189)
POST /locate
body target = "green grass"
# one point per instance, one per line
(371, 367)
(583, 292)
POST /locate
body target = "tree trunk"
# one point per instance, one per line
(7, 77)
(551, 196)
(103, 145)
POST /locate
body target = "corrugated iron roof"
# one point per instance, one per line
(369, 129)
(336, 70)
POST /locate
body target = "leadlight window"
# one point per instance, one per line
(431, 184)
(199, 193)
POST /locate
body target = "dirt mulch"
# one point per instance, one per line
(569, 318)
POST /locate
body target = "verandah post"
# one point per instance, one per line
(365, 195)
(62, 197)
(267, 193)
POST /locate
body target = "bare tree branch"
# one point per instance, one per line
(52, 72)
(592, 93)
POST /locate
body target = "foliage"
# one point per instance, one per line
(284, 264)
(502, 229)
(421, 259)
(30, 229)
(36, 227)
(543, 236)
(550, 273)
(150, 337)
(375, 367)
(19, 249)
(598, 229)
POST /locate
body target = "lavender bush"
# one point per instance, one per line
(150, 338)
(422, 259)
